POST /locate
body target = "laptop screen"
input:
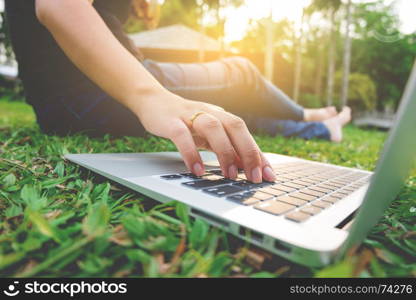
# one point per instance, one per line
(392, 169)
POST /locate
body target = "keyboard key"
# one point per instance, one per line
(330, 199)
(283, 188)
(292, 201)
(302, 174)
(321, 204)
(300, 182)
(309, 180)
(243, 199)
(311, 210)
(269, 190)
(313, 193)
(171, 177)
(200, 184)
(297, 216)
(319, 189)
(338, 195)
(274, 207)
(260, 195)
(215, 172)
(332, 183)
(341, 182)
(303, 196)
(282, 179)
(345, 191)
(291, 176)
(212, 177)
(223, 190)
(321, 178)
(242, 176)
(293, 185)
(244, 184)
(265, 184)
(328, 187)
(191, 175)
(337, 185)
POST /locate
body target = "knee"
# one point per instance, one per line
(250, 71)
(242, 62)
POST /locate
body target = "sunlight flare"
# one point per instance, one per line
(238, 19)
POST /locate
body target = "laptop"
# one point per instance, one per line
(312, 215)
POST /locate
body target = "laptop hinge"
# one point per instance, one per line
(347, 222)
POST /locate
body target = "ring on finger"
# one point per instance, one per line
(195, 116)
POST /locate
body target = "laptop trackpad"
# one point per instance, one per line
(136, 164)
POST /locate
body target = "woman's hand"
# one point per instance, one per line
(169, 116)
(92, 47)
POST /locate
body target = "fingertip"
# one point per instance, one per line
(256, 176)
(232, 172)
(268, 174)
(198, 169)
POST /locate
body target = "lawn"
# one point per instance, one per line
(59, 220)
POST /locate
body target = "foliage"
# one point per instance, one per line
(57, 219)
(4, 35)
(255, 38)
(382, 52)
(326, 5)
(311, 101)
(189, 13)
(11, 88)
(362, 94)
(387, 64)
(8, 88)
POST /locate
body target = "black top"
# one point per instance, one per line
(45, 70)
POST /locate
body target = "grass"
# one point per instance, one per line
(59, 220)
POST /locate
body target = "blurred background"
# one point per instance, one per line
(320, 52)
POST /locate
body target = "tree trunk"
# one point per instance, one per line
(298, 63)
(347, 57)
(319, 72)
(269, 55)
(331, 63)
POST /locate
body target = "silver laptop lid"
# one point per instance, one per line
(392, 168)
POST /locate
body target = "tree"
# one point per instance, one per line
(217, 30)
(217, 7)
(381, 51)
(298, 59)
(316, 40)
(330, 9)
(5, 45)
(347, 55)
(362, 93)
(269, 51)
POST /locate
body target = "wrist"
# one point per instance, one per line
(144, 99)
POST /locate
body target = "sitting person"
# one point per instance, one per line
(82, 74)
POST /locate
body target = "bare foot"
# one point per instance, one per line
(336, 124)
(320, 114)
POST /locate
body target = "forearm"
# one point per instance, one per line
(87, 41)
(91, 46)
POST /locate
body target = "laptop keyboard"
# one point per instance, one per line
(301, 190)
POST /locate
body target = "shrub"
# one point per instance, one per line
(362, 92)
(311, 101)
